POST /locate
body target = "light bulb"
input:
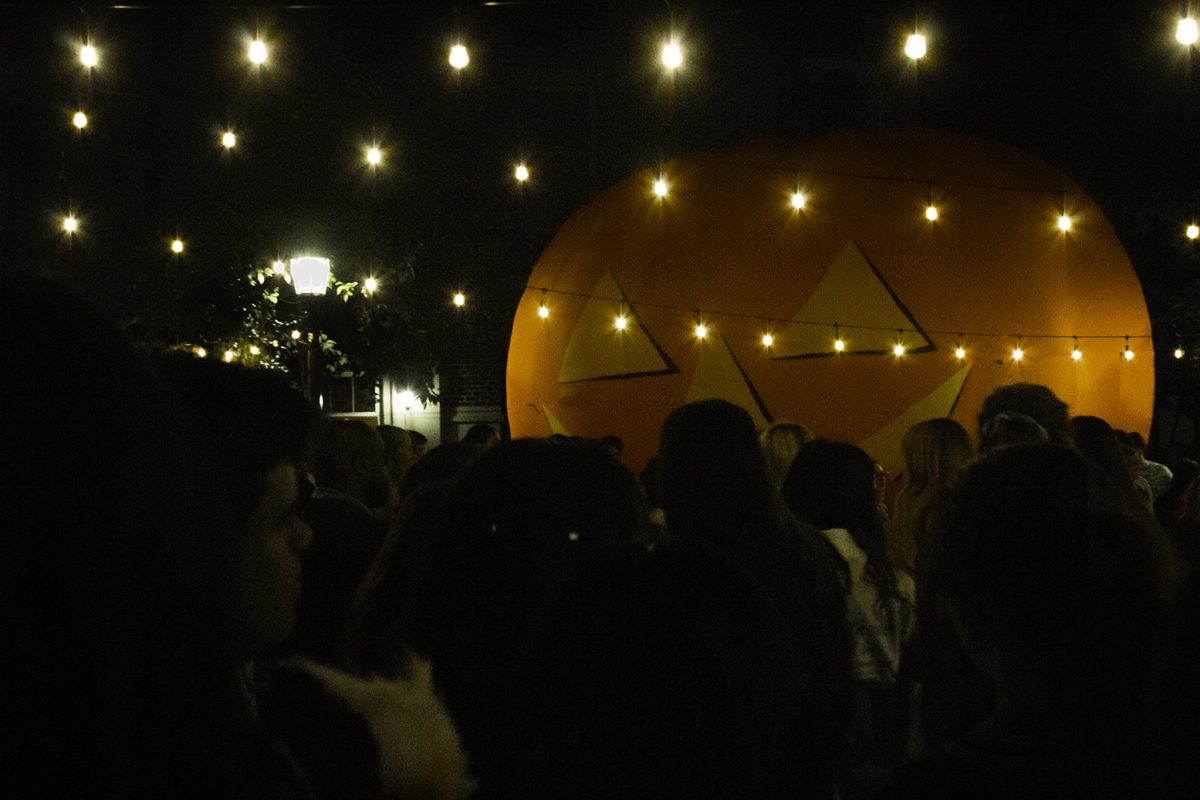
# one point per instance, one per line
(460, 299)
(254, 351)
(1128, 353)
(279, 267)
(257, 52)
(1193, 231)
(798, 200)
(70, 224)
(374, 156)
(898, 349)
(228, 139)
(701, 331)
(177, 246)
(1178, 352)
(521, 173)
(931, 213)
(80, 120)
(1187, 32)
(544, 311)
(1077, 354)
(370, 285)
(88, 56)
(914, 46)
(1017, 354)
(1064, 223)
(960, 353)
(672, 56)
(620, 322)
(459, 57)
(768, 340)
(839, 345)
(660, 187)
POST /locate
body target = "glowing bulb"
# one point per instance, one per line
(1186, 32)
(459, 57)
(660, 187)
(621, 322)
(672, 56)
(370, 285)
(1193, 231)
(914, 46)
(521, 173)
(798, 200)
(460, 299)
(88, 56)
(544, 311)
(1179, 352)
(1128, 353)
(228, 139)
(374, 156)
(177, 246)
(768, 340)
(1017, 354)
(701, 331)
(80, 120)
(296, 335)
(200, 352)
(279, 267)
(1077, 354)
(257, 52)
(254, 351)
(931, 213)
(70, 224)
(839, 345)
(898, 349)
(1064, 223)
(960, 353)
(230, 355)
(407, 399)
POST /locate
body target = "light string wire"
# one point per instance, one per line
(835, 326)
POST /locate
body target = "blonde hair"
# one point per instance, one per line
(779, 442)
(934, 452)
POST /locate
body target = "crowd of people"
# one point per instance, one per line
(216, 591)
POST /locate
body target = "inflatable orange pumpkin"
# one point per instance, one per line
(824, 242)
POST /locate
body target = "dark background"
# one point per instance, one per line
(1100, 91)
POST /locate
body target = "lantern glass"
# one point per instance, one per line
(310, 274)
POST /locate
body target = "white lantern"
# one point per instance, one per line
(310, 274)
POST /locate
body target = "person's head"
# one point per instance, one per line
(934, 451)
(443, 463)
(1048, 577)
(613, 443)
(259, 431)
(1022, 412)
(662, 670)
(113, 568)
(518, 515)
(419, 440)
(349, 458)
(1137, 441)
(482, 436)
(780, 442)
(1098, 442)
(712, 474)
(398, 453)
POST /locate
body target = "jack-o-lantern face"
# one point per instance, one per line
(863, 294)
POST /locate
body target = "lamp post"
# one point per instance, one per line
(310, 276)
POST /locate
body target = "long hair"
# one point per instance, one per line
(832, 485)
(934, 452)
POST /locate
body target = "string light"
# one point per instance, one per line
(70, 225)
(1178, 352)
(230, 356)
(200, 352)
(1193, 231)
(701, 330)
(799, 200)
(660, 188)
(1018, 353)
(931, 213)
(370, 285)
(960, 352)
(915, 46)
(459, 57)
(1187, 33)
(228, 140)
(521, 173)
(621, 322)
(672, 56)
(374, 156)
(79, 120)
(254, 351)
(767, 340)
(1064, 222)
(460, 299)
(279, 267)
(543, 310)
(257, 52)
(177, 246)
(839, 345)
(295, 335)
(89, 56)
(1128, 353)
(1076, 353)
(898, 347)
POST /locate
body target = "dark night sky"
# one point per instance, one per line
(1101, 91)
